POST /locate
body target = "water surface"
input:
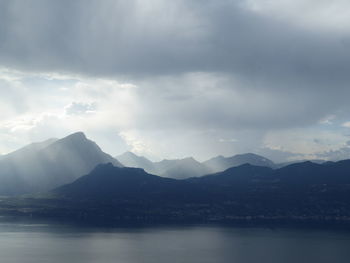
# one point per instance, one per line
(57, 243)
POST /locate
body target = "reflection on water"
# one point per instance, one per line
(56, 243)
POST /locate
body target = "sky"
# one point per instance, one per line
(171, 79)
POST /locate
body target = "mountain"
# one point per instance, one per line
(130, 159)
(318, 161)
(120, 181)
(238, 176)
(107, 182)
(299, 174)
(310, 173)
(221, 163)
(43, 166)
(181, 168)
(176, 168)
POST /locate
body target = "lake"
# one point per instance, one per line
(57, 243)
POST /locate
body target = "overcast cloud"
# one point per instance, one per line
(178, 78)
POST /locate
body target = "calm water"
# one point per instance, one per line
(53, 243)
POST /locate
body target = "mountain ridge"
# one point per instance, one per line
(190, 167)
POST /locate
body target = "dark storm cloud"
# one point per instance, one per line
(158, 37)
(197, 65)
(94, 37)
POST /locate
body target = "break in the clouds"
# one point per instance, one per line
(178, 78)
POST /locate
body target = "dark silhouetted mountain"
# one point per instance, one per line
(107, 182)
(280, 165)
(221, 163)
(130, 159)
(302, 174)
(303, 191)
(43, 166)
(308, 173)
(238, 176)
(328, 163)
(129, 182)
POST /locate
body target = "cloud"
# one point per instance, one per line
(346, 124)
(312, 14)
(305, 141)
(144, 39)
(328, 120)
(232, 140)
(80, 108)
(57, 105)
(268, 73)
(336, 154)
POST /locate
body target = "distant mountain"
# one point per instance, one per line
(130, 159)
(280, 165)
(176, 168)
(221, 163)
(189, 167)
(181, 168)
(43, 166)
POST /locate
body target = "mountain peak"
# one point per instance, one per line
(219, 157)
(129, 154)
(191, 159)
(302, 165)
(77, 135)
(221, 163)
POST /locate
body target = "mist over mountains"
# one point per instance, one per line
(73, 177)
(43, 166)
(176, 168)
(189, 167)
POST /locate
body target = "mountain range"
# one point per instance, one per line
(221, 163)
(303, 192)
(120, 181)
(189, 167)
(73, 177)
(45, 165)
